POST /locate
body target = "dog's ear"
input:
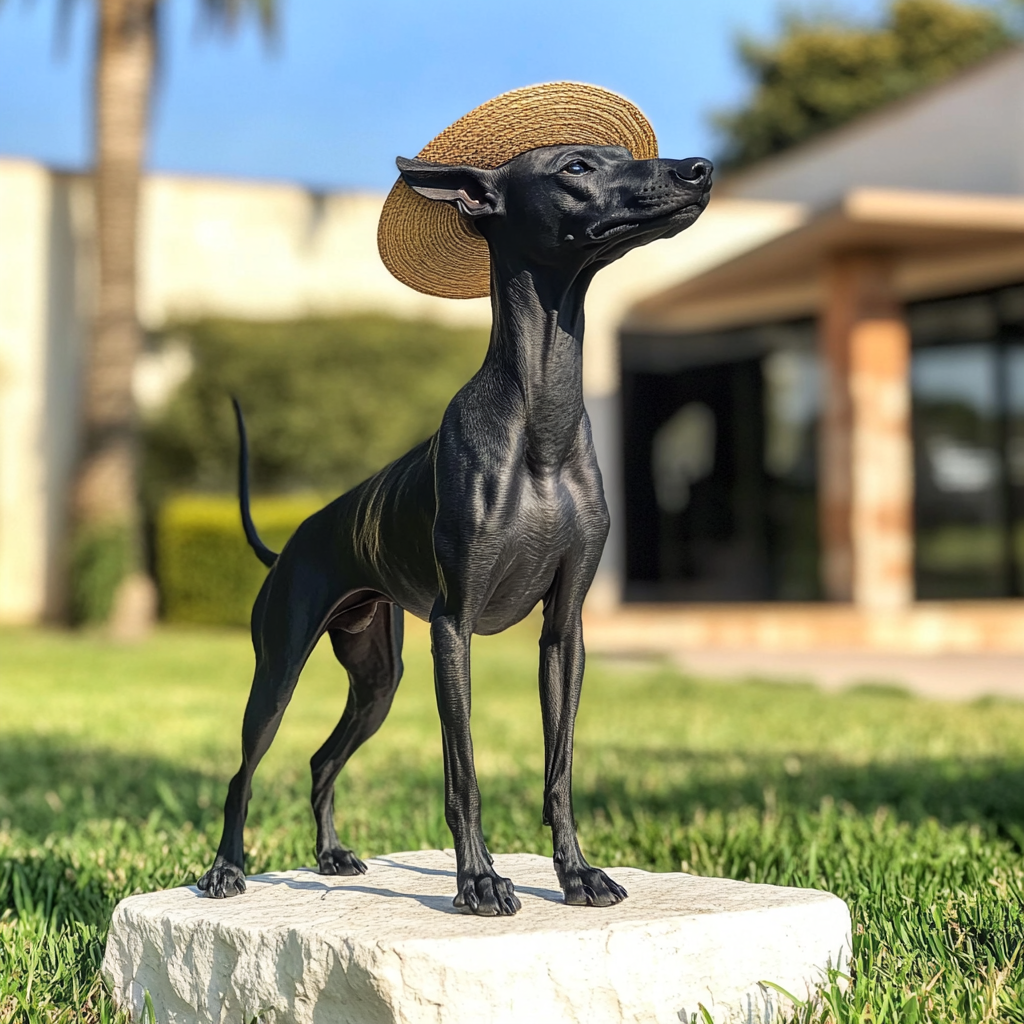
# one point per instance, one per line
(472, 190)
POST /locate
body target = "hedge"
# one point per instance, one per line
(206, 571)
(327, 402)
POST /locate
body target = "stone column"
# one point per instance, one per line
(865, 456)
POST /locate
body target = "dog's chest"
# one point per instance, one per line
(549, 514)
(557, 524)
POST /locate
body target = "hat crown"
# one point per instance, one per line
(427, 245)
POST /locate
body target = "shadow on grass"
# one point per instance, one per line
(87, 827)
(50, 786)
(987, 791)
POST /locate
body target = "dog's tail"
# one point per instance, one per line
(263, 553)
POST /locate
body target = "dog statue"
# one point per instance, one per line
(503, 507)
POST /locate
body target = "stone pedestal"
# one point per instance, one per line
(389, 948)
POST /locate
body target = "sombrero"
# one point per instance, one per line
(427, 245)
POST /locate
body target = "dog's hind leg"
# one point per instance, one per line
(373, 659)
(288, 618)
(561, 680)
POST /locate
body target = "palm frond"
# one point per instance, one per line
(62, 31)
(227, 14)
(65, 8)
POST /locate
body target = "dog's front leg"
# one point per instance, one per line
(481, 888)
(561, 680)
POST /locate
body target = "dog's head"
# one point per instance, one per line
(569, 206)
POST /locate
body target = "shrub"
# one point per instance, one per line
(101, 557)
(207, 572)
(327, 401)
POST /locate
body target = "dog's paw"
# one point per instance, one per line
(488, 895)
(585, 886)
(339, 861)
(222, 880)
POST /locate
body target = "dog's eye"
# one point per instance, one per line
(576, 167)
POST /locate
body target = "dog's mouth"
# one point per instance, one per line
(604, 234)
(608, 230)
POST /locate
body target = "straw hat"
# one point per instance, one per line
(427, 245)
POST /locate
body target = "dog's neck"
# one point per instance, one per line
(536, 350)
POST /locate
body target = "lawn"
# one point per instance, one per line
(114, 761)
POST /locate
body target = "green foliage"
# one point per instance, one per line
(326, 402)
(207, 572)
(114, 762)
(102, 555)
(823, 72)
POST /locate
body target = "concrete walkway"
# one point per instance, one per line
(945, 676)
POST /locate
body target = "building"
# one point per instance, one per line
(808, 408)
(828, 428)
(207, 247)
(254, 250)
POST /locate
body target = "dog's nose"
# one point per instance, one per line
(695, 171)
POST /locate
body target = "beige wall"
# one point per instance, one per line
(270, 251)
(260, 251)
(207, 247)
(43, 306)
(24, 202)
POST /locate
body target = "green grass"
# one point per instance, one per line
(114, 761)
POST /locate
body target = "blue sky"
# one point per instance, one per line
(348, 86)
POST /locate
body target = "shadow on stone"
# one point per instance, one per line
(434, 902)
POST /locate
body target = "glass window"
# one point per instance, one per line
(719, 434)
(958, 485)
(975, 318)
(720, 456)
(791, 407)
(1015, 458)
(968, 399)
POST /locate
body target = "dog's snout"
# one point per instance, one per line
(695, 172)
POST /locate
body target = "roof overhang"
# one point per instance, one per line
(937, 242)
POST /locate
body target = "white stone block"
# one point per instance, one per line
(388, 947)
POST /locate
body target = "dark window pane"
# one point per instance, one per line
(1010, 304)
(720, 465)
(958, 472)
(792, 402)
(954, 320)
(1015, 455)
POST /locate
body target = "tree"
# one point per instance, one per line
(822, 72)
(106, 545)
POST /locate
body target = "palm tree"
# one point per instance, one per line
(107, 578)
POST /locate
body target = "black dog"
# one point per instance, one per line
(502, 508)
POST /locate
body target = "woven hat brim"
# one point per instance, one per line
(427, 245)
